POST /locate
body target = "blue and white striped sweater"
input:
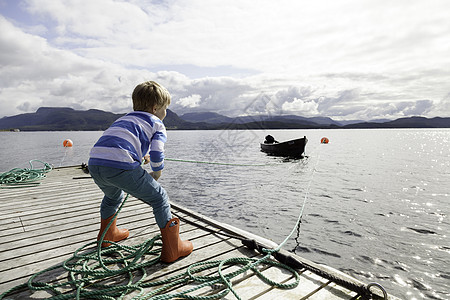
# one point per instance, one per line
(128, 140)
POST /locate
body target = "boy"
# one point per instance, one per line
(115, 165)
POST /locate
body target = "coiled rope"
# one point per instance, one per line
(88, 268)
(18, 177)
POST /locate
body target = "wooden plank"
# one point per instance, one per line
(50, 209)
(49, 204)
(75, 236)
(311, 286)
(331, 292)
(266, 291)
(51, 189)
(27, 249)
(26, 196)
(41, 216)
(72, 219)
(54, 227)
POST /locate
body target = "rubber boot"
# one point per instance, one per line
(113, 234)
(173, 247)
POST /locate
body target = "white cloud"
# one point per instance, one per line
(343, 59)
(301, 107)
(190, 101)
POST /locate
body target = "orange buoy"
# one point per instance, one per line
(67, 143)
(324, 140)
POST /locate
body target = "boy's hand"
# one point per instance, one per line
(146, 159)
(156, 174)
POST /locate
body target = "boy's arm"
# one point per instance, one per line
(157, 149)
(156, 174)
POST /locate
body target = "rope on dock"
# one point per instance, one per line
(88, 268)
(26, 177)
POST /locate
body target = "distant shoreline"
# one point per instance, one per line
(68, 119)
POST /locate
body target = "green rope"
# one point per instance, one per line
(18, 177)
(215, 163)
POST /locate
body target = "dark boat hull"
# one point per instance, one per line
(293, 148)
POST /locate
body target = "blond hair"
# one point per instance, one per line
(148, 95)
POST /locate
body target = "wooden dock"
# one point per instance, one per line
(43, 225)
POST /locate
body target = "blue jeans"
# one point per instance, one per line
(138, 183)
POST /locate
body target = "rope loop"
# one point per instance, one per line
(26, 177)
(380, 287)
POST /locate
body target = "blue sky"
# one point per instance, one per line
(346, 59)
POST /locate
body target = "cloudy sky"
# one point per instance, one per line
(345, 59)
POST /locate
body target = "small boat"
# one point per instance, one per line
(293, 148)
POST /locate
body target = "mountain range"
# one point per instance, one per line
(64, 119)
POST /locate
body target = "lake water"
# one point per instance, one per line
(377, 206)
